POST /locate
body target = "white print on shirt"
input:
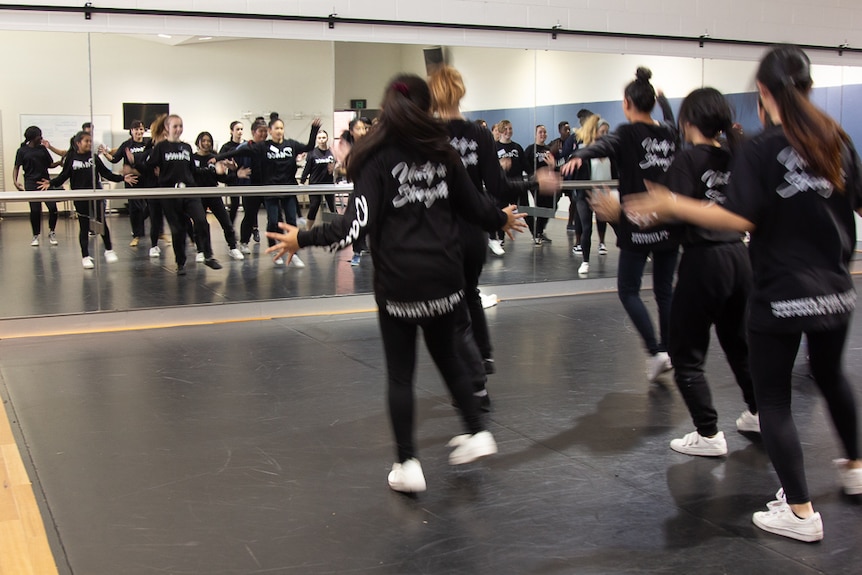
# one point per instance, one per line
(276, 154)
(650, 238)
(79, 165)
(657, 152)
(463, 146)
(325, 160)
(513, 153)
(713, 179)
(183, 156)
(409, 176)
(832, 304)
(430, 308)
(797, 178)
(359, 222)
(137, 150)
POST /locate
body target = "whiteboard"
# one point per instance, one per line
(59, 128)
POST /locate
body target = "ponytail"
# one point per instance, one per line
(707, 110)
(786, 72)
(405, 121)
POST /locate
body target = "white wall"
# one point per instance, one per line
(815, 22)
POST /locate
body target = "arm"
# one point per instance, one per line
(106, 173)
(244, 149)
(15, 171)
(604, 147)
(478, 208)
(312, 136)
(662, 204)
(62, 176)
(306, 171)
(666, 110)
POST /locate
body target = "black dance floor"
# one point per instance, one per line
(263, 447)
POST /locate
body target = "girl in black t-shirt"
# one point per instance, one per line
(35, 160)
(643, 148)
(714, 278)
(801, 174)
(319, 167)
(138, 148)
(206, 179)
(408, 185)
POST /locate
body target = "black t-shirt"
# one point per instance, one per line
(241, 162)
(535, 157)
(515, 152)
(139, 151)
(641, 152)
(407, 205)
(277, 159)
(174, 160)
(78, 169)
(804, 236)
(701, 172)
(35, 163)
(318, 165)
(205, 174)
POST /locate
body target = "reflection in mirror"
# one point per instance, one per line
(213, 82)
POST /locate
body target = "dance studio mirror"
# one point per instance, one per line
(211, 82)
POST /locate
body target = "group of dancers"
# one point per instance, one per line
(430, 185)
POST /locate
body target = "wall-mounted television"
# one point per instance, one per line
(143, 112)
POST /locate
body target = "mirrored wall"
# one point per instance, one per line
(57, 81)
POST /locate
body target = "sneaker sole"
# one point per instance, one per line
(790, 534)
(686, 451)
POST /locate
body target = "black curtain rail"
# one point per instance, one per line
(333, 19)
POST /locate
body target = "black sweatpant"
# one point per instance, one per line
(85, 211)
(251, 206)
(157, 219)
(712, 288)
(217, 208)
(544, 201)
(474, 246)
(138, 212)
(314, 202)
(443, 338)
(629, 275)
(772, 359)
(36, 216)
(179, 211)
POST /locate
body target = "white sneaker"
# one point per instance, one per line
(584, 269)
(496, 247)
(471, 447)
(88, 263)
(657, 365)
(488, 300)
(199, 258)
(111, 256)
(244, 248)
(236, 254)
(851, 479)
(278, 261)
(695, 444)
(296, 262)
(52, 239)
(781, 520)
(603, 250)
(778, 501)
(748, 422)
(35, 241)
(407, 477)
(301, 223)
(155, 251)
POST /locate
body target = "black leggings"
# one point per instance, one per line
(584, 232)
(36, 216)
(629, 275)
(85, 211)
(475, 250)
(444, 338)
(713, 283)
(251, 205)
(179, 211)
(315, 201)
(138, 212)
(157, 219)
(772, 359)
(216, 206)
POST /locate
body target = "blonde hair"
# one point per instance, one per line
(447, 89)
(159, 128)
(588, 132)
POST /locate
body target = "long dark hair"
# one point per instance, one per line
(786, 72)
(640, 92)
(406, 122)
(707, 110)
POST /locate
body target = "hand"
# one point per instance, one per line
(514, 221)
(243, 173)
(571, 166)
(103, 149)
(43, 184)
(316, 122)
(130, 179)
(19, 186)
(506, 164)
(46, 143)
(231, 164)
(549, 181)
(657, 204)
(549, 159)
(286, 243)
(604, 204)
